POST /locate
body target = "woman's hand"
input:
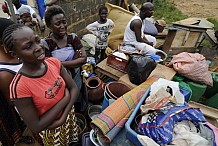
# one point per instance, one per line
(64, 113)
(78, 54)
(73, 95)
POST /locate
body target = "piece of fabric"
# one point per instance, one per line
(151, 39)
(110, 121)
(90, 39)
(23, 10)
(63, 135)
(101, 31)
(187, 131)
(146, 141)
(25, 7)
(159, 124)
(156, 101)
(11, 126)
(193, 66)
(150, 28)
(10, 67)
(50, 87)
(64, 54)
(215, 131)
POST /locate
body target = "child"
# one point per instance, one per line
(101, 29)
(42, 90)
(26, 18)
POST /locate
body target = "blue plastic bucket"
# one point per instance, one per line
(107, 101)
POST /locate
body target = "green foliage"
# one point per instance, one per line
(215, 22)
(167, 11)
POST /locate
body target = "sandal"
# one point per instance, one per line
(27, 140)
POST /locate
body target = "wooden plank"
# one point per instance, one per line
(169, 39)
(196, 22)
(190, 41)
(206, 110)
(211, 37)
(103, 69)
(161, 70)
(200, 28)
(177, 50)
(125, 80)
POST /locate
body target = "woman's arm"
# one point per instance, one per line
(28, 112)
(78, 61)
(71, 85)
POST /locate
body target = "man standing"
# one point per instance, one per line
(134, 37)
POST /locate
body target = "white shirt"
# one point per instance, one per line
(129, 35)
(101, 31)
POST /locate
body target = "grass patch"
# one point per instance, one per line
(168, 12)
(215, 22)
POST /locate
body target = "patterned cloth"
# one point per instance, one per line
(113, 118)
(63, 135)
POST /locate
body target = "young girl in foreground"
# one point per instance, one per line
(42, 90)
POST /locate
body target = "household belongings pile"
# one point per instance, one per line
(111, 120)
(166, 119)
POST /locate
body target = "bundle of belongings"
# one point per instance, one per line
(192, 66)
(166, 119)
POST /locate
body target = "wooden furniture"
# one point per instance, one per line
(183, 38)
(210, 113)
(210, 36)
(186, 35)
(103, 69)
(160, 70)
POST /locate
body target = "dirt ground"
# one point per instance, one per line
(198, 8)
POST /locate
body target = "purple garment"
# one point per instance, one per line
(64, 54)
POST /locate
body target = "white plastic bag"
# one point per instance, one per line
(163, 83)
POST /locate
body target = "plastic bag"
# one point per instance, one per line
(150, 28)
(139, 68)
(163, 83)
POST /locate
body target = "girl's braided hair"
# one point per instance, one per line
(7, 36)
(4, 24)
